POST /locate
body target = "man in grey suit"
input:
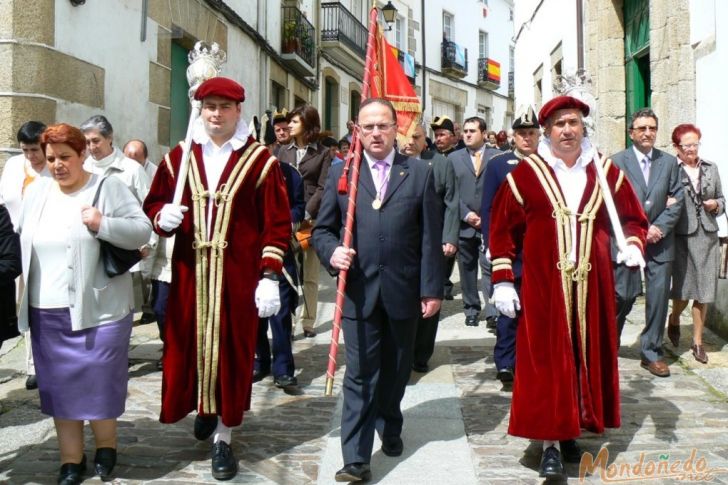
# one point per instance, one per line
(395, 274)
(469, 165)
(447, 190)
(654, 175)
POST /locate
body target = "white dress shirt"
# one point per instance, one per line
(572, 180)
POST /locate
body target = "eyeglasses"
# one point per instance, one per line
(643, 129)
(383, 127)
(689, 146)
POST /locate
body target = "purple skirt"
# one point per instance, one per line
(84, 374)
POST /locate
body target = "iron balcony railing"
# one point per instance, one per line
(454, 57)
(299, 36)
(338, 24)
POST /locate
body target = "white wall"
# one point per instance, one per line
(554, 22)
(107, 34)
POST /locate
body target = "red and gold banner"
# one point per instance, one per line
(493, 71)
(388, 80)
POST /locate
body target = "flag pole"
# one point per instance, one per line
(352, 163)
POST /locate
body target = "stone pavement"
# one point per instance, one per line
(456, 420)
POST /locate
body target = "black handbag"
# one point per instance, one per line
(116, 260)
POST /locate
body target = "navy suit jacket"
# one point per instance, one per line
(495, 174)
(398, 257)
(470, 185)
(297, 203)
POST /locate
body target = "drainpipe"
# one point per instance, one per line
(579, 34)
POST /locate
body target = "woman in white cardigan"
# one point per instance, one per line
(79, 318)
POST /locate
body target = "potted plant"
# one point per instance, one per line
(290, 41)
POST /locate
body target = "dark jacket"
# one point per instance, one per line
(314, 168)
(447, 188)
(398, 247)
(10, 268)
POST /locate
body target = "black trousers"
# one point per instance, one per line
(378, 362)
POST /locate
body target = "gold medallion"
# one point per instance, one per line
(376, 204)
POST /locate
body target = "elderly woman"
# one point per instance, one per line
(313, 161)
(79, 318)
(697, 255)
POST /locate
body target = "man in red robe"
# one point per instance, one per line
(232, 229)
(552, 210)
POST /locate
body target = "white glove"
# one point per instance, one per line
(631, 256)
(170, 217)
(506, 299)
(487, 255)
(267, 298)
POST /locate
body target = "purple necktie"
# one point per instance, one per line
(381, 166)
(646, 168)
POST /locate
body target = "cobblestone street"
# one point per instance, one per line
(456, 418)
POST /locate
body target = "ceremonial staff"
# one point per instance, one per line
(205, 61)
(353, 161)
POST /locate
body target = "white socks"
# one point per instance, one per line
(222, 432)
(546, 444)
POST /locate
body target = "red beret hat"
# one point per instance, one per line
(221, 86)
(561, 102)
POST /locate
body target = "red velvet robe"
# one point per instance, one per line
(566, 343)
(209, 350)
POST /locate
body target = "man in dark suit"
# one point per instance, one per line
(654, 175)
(395, 274)
(526, 132)
(282, 133)
(446, 142)
(447, 190)
(469, 165)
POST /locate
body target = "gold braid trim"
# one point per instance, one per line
(514, 189)
(581, 274)
(561, 214)
(209, 272)
(264, 172)
(222, 224)
(201, 271)
(168, 162)
(636, 241)
(620, 179)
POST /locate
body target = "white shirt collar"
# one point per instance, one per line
(641, 156)
(238, 140)
(586, 157)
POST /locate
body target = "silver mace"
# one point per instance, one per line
(205, 62)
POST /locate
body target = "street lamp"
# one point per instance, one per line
(389, 12)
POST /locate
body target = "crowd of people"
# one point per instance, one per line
(524, 213)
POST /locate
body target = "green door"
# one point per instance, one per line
(179, 101)
(637, 54)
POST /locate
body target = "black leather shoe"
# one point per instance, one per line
(285, 381)
(31, 382)
(260, 374)
(570, 451)
(72, 473)
(392, 445)
(309, 333)
(354, 472)
(471, 321)
(104, 462)
(551, 466)
(491, 322)
(449, 296)
(421, 368)
(224, 464)
(205, 426)
(505, 374)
